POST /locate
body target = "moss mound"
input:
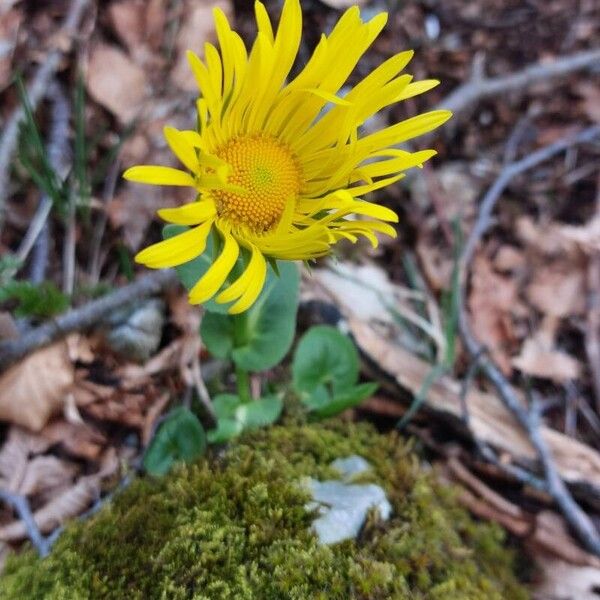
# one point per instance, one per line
(236, 527)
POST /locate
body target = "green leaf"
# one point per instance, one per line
(233, 416)
(259, 338)
(324, 356)
(345, 400)
(226, 430)
(180, 437)
(224, 405)
(265, 332)
(259, 413)
(218, 334)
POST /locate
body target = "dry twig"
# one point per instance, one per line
(35, 92)
(37, 236)
(21, 506)
(528, 418)
(479, 86)
(85, 316)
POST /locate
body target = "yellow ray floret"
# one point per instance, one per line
(278, 166)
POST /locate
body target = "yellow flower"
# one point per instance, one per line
(280, 168)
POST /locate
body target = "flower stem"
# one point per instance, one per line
(243, 384)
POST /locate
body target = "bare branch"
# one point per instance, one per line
(85, 316)
(21, 506)
(527, 418)
(479, 86)
(35, 91)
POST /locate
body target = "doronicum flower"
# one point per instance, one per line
(279, 167)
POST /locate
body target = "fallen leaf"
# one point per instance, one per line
(10, 22)
(35, 388)
(341, 4)
(15, 453)
(587, 237)
(558, 289)
(539, 359)
(492, 302)
(43, 473)
(140, 25)
(82, 441)
(116, 82)
(590, 95)
(197, 27)
(509, 259)
(69, 504)
(561, 580)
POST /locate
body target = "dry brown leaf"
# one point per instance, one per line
(590, 93)
(197, 27)
(342, 4)
(10, 22)
(141, 201)
(116, 82)
(561, 580)
(8, 327)
(14, 455)
(558, 289)
(35, 388)
(544, 239)
(140, 24)
(490, 420)
(491, 302)
(587, 237)
(82, 441)
(509, 259)
(437, 265)
(539, 359)
(44, 473)
(69, 504)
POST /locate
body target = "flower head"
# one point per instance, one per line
(279, 168)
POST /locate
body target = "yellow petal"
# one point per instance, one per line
(213, 279)
(254, 289)
(181, 147)
(189, 214)
(155, 175)
(176, 250)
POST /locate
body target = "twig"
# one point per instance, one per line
(85, 316)
(592, 330)
(529, 419)
(69, 247)
(479, 86)
(21, 506)
(94, 265)
(35, 92)
(58, 155)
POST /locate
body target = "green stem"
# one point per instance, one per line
(243, 384)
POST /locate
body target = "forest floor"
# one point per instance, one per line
(497, 257)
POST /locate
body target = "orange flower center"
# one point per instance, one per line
(269, 173)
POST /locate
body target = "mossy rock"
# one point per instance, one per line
(236, 527)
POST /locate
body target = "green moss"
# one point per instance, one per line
(235, 527)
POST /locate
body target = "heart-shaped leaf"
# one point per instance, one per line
(344, 400)
(259, 338)
(180, 437)
(324, 357)
(259, 413)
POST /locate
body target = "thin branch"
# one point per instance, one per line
(35, 92)
(529, 419)
(58, 154)
(85, 316)
(21, 506)
(479, 87)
